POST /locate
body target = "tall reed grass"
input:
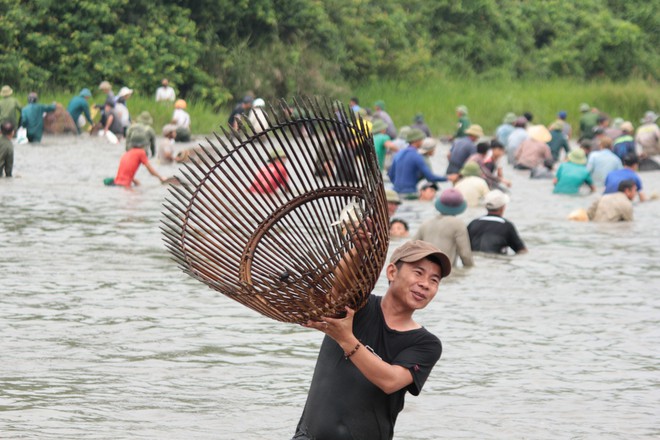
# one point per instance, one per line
(489, 100)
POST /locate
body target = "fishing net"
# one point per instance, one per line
(289, 217)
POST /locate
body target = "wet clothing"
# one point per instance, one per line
(6, 156)
(450, 235)
(79, 106)
(115, 126)
(502, 133)
(342, 404)
(461, 149)
(235, 115)
(32, 118)
(517, 136)
(141, 130)
(10, 110)
(494, 234)
(473, 189)
(463, 124)
(423, 127)
(623, 145)
(270, 178)
(615, 177)
(570, 178)
(532, 153)
(558, 143)
(406, 168)
(385, 117)
(128, 166)
(381, 151)
(648, 138)
(615, 207)
(601, 163)
(588, 121)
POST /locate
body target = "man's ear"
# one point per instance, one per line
(391, 271)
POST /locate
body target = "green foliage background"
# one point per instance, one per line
(213, 51)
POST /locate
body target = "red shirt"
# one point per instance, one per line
(129, 164)
(270, 178)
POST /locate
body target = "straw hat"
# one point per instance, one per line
(180, 103)
(124, 91)
(6, 91)
(392, 196)
(105, 85)
(539, 133)
(584, 107)
(475, 130)
(627, 127)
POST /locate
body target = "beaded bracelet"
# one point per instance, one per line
(352, 352)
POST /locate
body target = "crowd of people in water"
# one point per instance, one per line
(609, 153)
(607, 157)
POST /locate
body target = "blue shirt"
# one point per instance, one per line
(406, 168)
(615, 177)
(601, 163)
(502, 133)
(462, 148)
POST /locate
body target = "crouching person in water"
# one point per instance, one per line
(371, 358)
(130, 162)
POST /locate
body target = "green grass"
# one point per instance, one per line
(489, 100)
(436, 98)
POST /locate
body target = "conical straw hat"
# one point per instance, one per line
(277, 251)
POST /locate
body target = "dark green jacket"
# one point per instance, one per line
(32, 118)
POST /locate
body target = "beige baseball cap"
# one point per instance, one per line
(416, 250)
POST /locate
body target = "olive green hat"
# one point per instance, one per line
(471, 169)
(414, 135)
(138, 139)
(378, 126)
(145, 118)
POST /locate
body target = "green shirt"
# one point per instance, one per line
(32, 118)
(587, 123)
(570, 177)
(10, 110)
(381, 151)
(463, 124)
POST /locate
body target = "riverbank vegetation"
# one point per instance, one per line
(437, 98)
(213, 51)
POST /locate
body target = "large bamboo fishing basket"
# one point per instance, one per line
(275, 216)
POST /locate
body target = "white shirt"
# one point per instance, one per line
(181, 118)
(165, 94)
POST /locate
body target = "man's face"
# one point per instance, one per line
(414, 284)
(631, 192)
(391, 208)
(496, 153)
(427, 194)
(165, 83)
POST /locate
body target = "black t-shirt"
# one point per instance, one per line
(494, 234)
(342, 403)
